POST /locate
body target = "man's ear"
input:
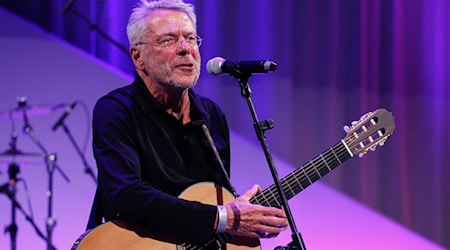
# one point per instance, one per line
(136, 57)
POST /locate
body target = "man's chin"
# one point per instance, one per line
(183, 84)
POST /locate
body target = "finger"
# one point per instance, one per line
(276, 222)
(251, 192)
(269, 231)
(263, 234)
(273, 224)
(258, 187)
(276, 212)
(276, 227)
(272, 235)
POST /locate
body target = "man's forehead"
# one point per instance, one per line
(161, 18)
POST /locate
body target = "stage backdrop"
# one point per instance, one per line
(336, 59)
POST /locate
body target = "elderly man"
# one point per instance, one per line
(155, 140)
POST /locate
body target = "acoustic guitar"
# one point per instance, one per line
(370, 131)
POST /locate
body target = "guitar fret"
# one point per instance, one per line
(314, 166)
(332, 150)
(264, 196)
(344, 153)
(274, 197)
(257, 199)
(290, 188)
(312, 172)
(323, 165)
(299, 183)
(326, 164)
(306, 175)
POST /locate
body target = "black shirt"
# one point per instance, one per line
(146, 157)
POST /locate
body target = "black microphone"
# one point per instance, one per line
(68, 7)
(219, 66)
(7, 187)
(4, 188)
(64, 116)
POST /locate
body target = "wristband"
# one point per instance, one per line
(222, 224)
(237, 217)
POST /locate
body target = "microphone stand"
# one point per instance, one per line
(50, 160)
(9, 190)
(260, 128)
(87, 168)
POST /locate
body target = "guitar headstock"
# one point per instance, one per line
(370, 131)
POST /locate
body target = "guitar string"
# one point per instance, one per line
(331, 160)
(222, 242)
(309, 169)
(292, 178)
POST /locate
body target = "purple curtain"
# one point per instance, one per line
(336, 61)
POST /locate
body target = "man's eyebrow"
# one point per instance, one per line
(176, 33)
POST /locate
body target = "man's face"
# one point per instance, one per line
(170, 56)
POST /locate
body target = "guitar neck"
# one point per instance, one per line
(304, 176)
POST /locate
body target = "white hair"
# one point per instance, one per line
(137, 26)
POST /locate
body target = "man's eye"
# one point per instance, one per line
(191, 39)
(168, 40)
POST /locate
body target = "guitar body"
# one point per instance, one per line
(115, 235)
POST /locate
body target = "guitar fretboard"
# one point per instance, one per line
(304, 176)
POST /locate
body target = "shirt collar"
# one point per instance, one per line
(149, 104)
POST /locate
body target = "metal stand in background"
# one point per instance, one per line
(87, 167)
(50, 160)
(60, 123)
(260, 128)
(9, 189)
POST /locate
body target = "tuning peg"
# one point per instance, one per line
(363, 117)
(346, 129)
(381, 143)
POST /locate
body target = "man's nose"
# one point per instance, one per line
(183, 46)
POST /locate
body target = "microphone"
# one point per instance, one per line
(219, 66)
(64, 116)
(68, 7)
(4, 188)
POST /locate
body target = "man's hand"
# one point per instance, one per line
(249, 220)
